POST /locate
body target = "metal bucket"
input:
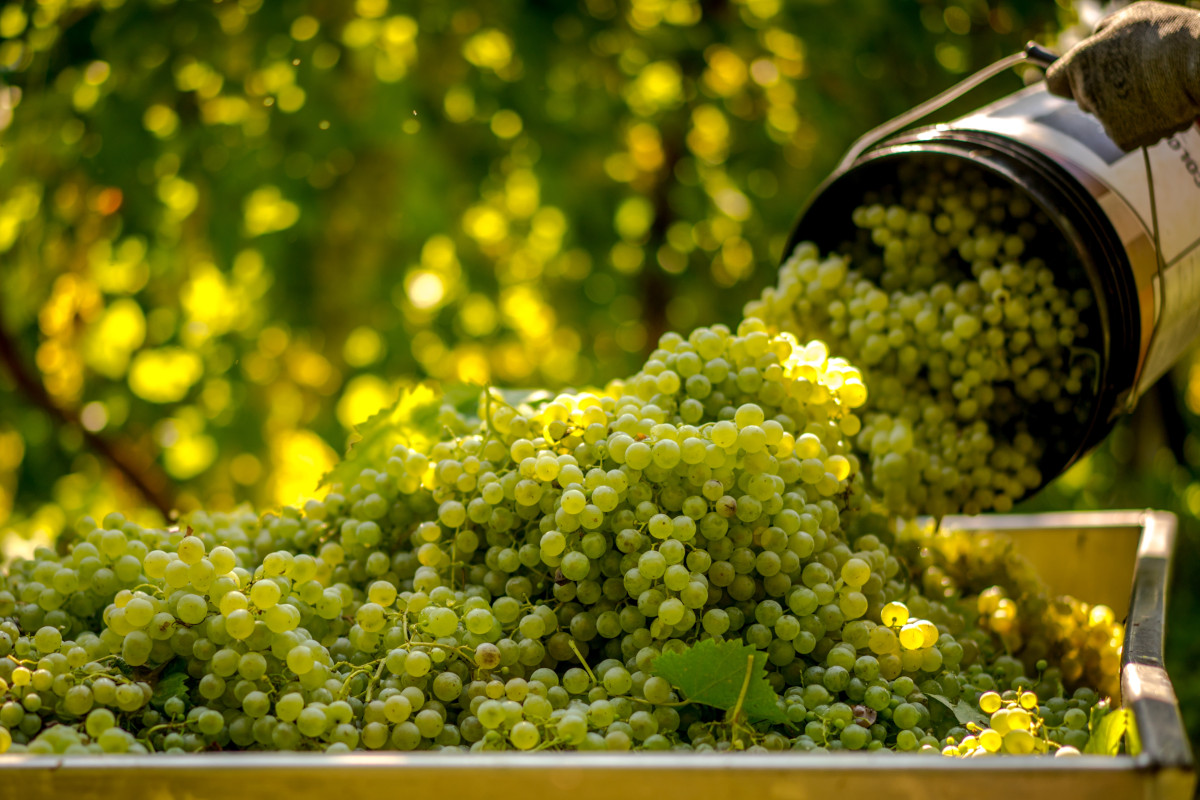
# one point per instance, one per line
(1131, 220)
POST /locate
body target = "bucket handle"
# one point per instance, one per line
(1033, 53)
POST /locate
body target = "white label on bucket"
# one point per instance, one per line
(1175, 171)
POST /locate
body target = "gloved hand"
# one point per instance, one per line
(1139, 73)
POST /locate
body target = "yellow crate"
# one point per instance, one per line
(1095, 556)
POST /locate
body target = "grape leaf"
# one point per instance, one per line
(465, 398)
(172, 682)
(531, 397)
(713, 673)
(412, 421)
(963, 711)
(1108, 729)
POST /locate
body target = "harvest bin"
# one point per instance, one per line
(1095, 556)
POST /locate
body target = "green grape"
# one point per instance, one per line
(47, 640)
(311, 722)
(524, 735)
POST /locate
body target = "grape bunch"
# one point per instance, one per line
(975, 348)
(513, 585)
(1083, 641)
(1019, 724)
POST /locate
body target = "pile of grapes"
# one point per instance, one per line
(691, 558)
(980, 356)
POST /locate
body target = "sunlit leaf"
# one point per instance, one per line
(413, 421)
(1108, 727)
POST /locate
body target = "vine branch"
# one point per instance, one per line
(149, 482)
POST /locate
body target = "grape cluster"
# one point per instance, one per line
(1014, 607)
(513, 587)
(974, 347)
(1019, 724)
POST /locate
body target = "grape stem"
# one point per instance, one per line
(582, 660)
(487, 408)
(679, 704)
(345, 692)
(374, 680)
(548, 744)
(145, 739)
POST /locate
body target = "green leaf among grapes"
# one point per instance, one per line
(412, 421)
(1108, 730)
(531, 397)
(465, 398)
(172, 682)
(963, 711)
(713, 674)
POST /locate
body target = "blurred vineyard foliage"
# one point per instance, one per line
(231, 230)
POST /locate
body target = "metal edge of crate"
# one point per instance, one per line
(1164, 751)
(1145, 685)
(1163, 767)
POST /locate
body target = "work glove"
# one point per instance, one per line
(1139, 73)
